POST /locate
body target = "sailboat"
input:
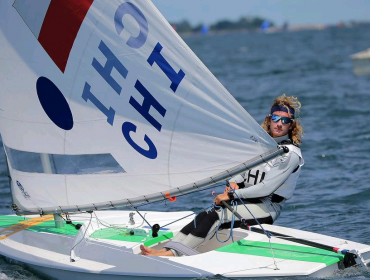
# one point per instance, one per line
(361, 62)
(103, 106)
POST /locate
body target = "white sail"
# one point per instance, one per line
(102, 104)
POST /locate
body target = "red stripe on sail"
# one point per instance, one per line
(60, 27)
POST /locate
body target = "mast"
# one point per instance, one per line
(46, 164)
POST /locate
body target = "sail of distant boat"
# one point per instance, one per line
(104, 105)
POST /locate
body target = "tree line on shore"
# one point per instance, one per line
(248, 23)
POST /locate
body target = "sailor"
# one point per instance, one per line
(263, 189)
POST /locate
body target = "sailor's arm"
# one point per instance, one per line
(278, 174)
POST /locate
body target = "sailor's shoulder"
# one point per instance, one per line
(293, 149)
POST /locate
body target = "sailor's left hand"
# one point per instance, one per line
(232, 186)
(221, 197)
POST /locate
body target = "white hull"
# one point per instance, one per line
(101, 258)
(361, 63)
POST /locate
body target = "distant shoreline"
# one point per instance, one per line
(275, 29)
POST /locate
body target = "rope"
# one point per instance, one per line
(143, 217)
(83, 237)
(231, 226)
(117, 226)
(178, 220)
(268, 234)
(195, 213)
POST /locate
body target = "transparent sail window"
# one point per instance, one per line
(63, 164)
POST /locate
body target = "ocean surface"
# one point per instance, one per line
(333, 192)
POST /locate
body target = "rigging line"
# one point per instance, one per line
(231, 224)
(83, 237)
(105, 224)
(177, 220)
(214, 206)
(116, 226)
(266, 232)
(219, 224)
(231, 227)
(141, 222)
(195, 213)
(235, 205)
(273, 255)
(108, 225)
(134, 207)
(269, 235)
(143, 217)
(178, 195)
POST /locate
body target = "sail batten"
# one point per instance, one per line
(128, 112)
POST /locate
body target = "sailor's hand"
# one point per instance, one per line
(221, 197)
(232, 186)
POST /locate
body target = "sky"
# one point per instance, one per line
(296, 12)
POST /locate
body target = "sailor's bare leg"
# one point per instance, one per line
(154, 252)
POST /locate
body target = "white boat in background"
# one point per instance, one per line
(361, 62)
(102, 105)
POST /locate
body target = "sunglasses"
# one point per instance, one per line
(284, 120)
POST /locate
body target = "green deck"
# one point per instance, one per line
(254, 248)
(282, 251)
(119, 234)
(49, 226)
(106, 233)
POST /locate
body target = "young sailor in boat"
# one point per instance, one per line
(263, 189)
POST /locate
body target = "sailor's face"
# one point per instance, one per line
(278, 129)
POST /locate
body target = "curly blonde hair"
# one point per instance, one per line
(296, 132)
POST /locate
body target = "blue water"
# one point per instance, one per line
(333, 192)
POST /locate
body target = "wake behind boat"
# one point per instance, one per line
(104, 106)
